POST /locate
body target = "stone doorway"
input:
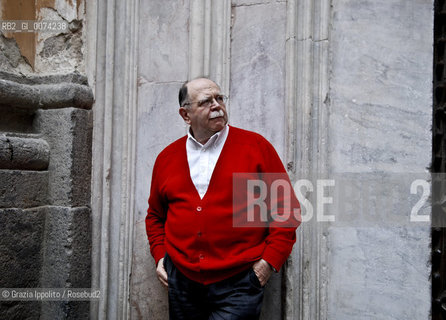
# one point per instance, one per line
(439, 161)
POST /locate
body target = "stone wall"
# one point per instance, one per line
(380, 123)
(337, 86)
(45, 174)
(45, 158)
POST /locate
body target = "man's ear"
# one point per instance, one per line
(184, 114)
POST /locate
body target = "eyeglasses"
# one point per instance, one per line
(221, 99)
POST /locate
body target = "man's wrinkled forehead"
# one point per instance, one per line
(202, 86)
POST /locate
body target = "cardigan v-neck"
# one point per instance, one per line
(202, 159)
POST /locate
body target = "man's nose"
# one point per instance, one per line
(215, 103)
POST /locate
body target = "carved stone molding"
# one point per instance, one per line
(45, 96)
(209, 40)
(115, 25)
(49, 92)
(307, 84)
(23, 153)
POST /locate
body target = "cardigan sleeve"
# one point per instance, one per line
(156, 216)
(284, 216)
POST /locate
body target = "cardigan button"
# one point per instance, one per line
(201, 256)
(199, 209)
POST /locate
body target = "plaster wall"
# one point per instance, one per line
(44, 52)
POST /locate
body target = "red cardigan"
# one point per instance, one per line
(198, 234)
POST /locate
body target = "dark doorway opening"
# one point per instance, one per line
(439, 161)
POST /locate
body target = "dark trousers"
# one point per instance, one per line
(236, 298)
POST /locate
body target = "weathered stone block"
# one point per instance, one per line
(68, 132)
(67, 259)
(23, 189)
(163, 23)
(16, 120)
(23, 153)
(81, 154)
(48, 247)
(67, 242)
(21, 258)
(41, 92)
(29, 310)
(258, 70)
(67, 310)
(74, 77)
(20, 247)
(60, 141)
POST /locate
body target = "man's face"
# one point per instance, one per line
(205, 112)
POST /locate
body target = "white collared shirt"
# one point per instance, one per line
(203, 158)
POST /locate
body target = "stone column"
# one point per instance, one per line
(114, 46)
(307, 102)
(209, 40)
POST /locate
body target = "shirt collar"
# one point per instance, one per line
(215, 140)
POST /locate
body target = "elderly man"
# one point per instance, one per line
(212, 268)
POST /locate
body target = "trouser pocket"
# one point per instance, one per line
(254, 279)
